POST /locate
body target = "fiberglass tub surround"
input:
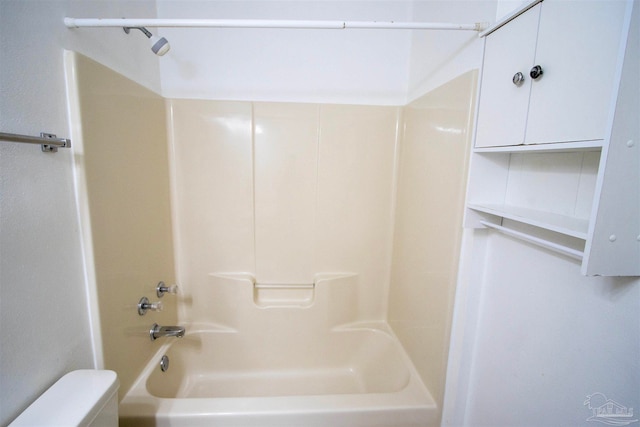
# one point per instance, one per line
(309, 202)
(282, 355)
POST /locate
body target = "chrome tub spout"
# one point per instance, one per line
(158, 331)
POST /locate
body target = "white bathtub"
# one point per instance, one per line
(347, 376)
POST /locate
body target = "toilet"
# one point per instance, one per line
(83, 398)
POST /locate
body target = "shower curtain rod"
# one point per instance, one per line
(257, 23)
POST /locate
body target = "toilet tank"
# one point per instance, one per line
(83, 398)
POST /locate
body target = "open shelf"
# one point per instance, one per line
(593, 145)
(555, 162)
(570, 226)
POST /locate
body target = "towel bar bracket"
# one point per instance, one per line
(49, 142)
(51, 148)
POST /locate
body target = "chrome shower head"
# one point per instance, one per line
(159, 45)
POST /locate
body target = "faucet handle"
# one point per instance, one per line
(144, 305)
(162, 289)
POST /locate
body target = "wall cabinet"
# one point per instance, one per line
(556, 159)
(549, 73)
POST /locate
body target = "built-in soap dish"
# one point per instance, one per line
(268, 295)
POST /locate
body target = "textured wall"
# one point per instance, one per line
(43, 307)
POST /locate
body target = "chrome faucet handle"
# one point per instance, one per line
(162, 289)
(144, 305)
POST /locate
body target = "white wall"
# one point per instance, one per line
(352, 66)
(533, 338)
(356, 66)
(43, 305)
(547, 338)
(439, 56)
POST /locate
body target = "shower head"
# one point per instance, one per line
(159, 45)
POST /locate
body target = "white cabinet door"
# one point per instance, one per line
(502, 112)
(578, 48)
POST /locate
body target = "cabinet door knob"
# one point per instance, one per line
(536, 72)
(518, 79)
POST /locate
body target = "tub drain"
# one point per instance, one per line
(164, 363)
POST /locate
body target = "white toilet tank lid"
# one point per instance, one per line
(74, 400)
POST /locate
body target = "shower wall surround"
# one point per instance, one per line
(284, 192)
(278, 193)
(287, 191)
(120, 156)
(431, 189)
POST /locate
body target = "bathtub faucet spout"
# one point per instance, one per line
(157, 331)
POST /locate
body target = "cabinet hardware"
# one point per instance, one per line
(536, 72)
(518, 79)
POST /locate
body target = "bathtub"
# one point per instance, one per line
(356, 375)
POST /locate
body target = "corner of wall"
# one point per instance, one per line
(435, 144)
(124, 172)
(127, 54)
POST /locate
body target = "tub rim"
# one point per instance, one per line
(139, 402)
